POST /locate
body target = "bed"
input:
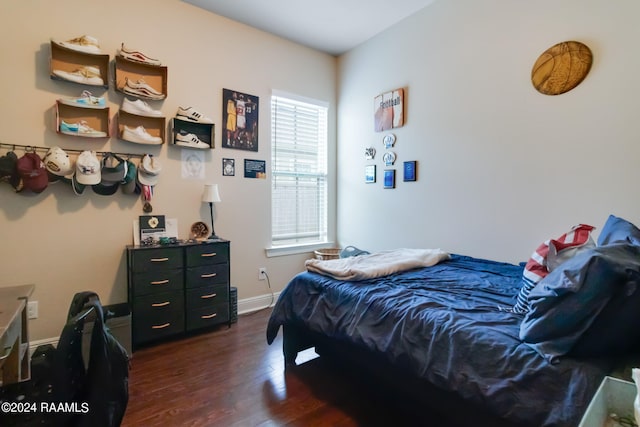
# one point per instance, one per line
(446, 335)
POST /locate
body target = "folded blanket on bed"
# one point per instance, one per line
(377, 264)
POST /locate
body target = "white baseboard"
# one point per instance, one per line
(246, 305)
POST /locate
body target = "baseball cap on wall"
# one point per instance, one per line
(57, 162)
(114, 168)
(149, 170)
(8, 171)
(87, 168)
(31, 170)
(129, 184)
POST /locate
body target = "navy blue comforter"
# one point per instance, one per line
(445, 325)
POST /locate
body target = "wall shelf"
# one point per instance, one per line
(204, 131)
(153, 75)
(69, 60)
(96, 118)
(155, 126)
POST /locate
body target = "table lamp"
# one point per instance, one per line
(211, 195)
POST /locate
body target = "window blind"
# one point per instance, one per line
(299, 172)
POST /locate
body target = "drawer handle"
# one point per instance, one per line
(159, 259)
(208, 296)
(166, 325)
(160, 304)
(209, 316)
(209, 254)
(160, 282)
(206, 276)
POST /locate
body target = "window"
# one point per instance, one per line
(299, 171)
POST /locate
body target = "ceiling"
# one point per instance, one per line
(332, 26)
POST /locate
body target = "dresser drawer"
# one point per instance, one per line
(207, 296)
(155, 327)
(207, 275)
(156, 259)
(156, 306)
(207, 253)
(208, 316)
(157, 281)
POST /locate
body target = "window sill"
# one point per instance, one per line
(275, 251)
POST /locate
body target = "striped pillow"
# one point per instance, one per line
(562, 248)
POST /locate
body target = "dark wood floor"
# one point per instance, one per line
(231, 377)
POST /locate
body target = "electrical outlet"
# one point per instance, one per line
(32, 309)
(262, 273)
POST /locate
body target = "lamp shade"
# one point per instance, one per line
(211, 194)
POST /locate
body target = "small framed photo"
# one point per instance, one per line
(255, 169)
(228, 167)
(390, 178)
(410, 170)
(370, 174)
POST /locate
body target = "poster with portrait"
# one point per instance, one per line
(239, 120)
(192, 164)
(388, 110)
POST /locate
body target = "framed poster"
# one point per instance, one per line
(388, 110)
(255, 169)
(239, 120)
(228, 167)
(410, 170)
(390, 178)
(370, 174)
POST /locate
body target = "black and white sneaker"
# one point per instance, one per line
(191, 115)
(190, 140)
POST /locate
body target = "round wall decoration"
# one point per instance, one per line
(561, 68)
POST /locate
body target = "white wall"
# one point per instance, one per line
(501, 167)
(64, 243)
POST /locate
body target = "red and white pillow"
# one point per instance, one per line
(548, 256)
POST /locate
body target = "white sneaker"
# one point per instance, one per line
(135, 55)
(85, 75)
(190, 140)
(191, 115)
(140, 108)
(80, 129)
(86, 44)
(85, 100)
(140, 136)
(141, 89)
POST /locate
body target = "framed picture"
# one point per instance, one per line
(390, 178)
(255, 169)
(388, 110)
(239, 120)
(410, 170)
(370, 174)
(228, 167)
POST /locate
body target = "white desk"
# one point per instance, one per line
(14, 334)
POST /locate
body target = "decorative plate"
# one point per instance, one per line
(561, 67)
(199, 230)
(389, 140)
(389, 158)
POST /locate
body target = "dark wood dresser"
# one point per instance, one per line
(177, 289)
